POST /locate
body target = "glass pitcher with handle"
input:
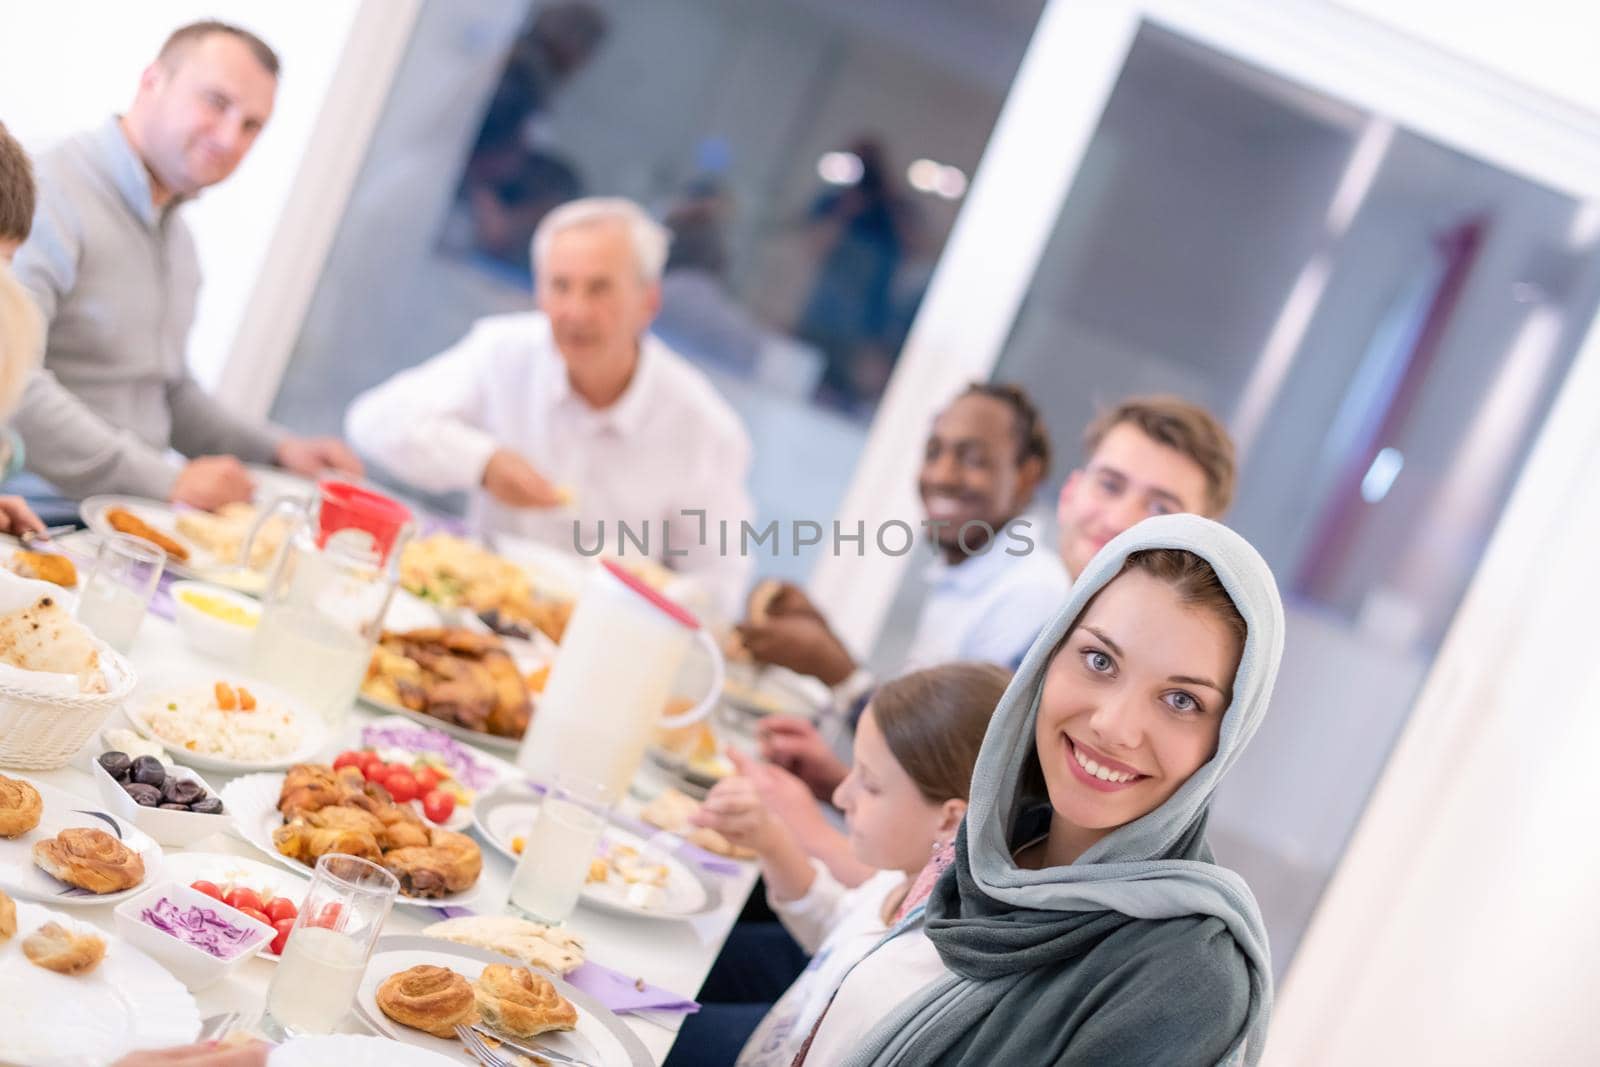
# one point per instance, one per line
(324, 604)
(612, 677)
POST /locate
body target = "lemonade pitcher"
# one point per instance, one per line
(619, 656)
(323, 607)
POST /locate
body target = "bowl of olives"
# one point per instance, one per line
(172, 804)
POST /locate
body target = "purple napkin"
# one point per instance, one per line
(706, 861)
(451, 911)
(622, 994)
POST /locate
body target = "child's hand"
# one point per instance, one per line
(735, 810)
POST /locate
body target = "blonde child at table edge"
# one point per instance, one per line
(903, 799)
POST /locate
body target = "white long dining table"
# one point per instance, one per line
(672, 954)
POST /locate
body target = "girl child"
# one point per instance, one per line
(902, 800)
(1084, 920)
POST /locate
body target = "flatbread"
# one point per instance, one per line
(43, 637)
(552, 949)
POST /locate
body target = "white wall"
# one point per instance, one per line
(1548, 45)
(67, 64)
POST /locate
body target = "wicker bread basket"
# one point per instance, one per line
(41, 733)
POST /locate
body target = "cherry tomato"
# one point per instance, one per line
(401, 785)
(280, 908)
(258, 915)
(373, 769)
(438, 806)
(243, 899)
(328, 918)
(283, 926)
(210, 889)
(428, 780)
(350, 758)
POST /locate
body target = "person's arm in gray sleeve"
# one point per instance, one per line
(202, 426)
(79, 452)
(65, 441)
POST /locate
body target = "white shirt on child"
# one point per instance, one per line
(838, 926)
(876, 987)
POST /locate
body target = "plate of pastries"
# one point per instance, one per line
(62, 850)
(313, 809)
(72, 994)
(417, 990)
(199, 544)
(462, 681)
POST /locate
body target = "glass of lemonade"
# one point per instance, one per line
(563, 840)
(117, 592)
(320, 971)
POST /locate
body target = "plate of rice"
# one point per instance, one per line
(221, 720)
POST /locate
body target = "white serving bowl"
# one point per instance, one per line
(168, 827)
(208, 635)
(194, 967)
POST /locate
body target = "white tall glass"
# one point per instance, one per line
(316, 980)
(117, 592)
(554, 864)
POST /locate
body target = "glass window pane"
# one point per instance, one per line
(810, 157)
(1382, 322)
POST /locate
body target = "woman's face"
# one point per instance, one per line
(1132, 704)
(893, 827)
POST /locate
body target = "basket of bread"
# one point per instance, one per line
(58, 683)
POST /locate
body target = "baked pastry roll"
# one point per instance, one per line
(8, 917)
(20, 807)
(55, 948)
(432, 999)
(89, 859)
(517, 1002)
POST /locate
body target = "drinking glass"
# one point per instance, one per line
(117, 592)
(320, 971)
(563, 840)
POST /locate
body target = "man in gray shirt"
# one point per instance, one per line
(114, 270)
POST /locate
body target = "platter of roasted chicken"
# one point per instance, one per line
(462, 681)
(313, 809)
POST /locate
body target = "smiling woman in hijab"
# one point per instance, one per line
(1084, 920)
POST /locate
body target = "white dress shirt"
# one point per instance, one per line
(669, 444)
(987, 608)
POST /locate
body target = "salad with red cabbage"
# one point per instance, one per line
(201, 927)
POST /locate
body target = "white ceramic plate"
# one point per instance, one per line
(600, 1037)
(128, 1002)
(163, 516)
(253, 802)
(352, 1050)
(471, 737)
(159, 683)
(231, 872)
(509, 812)
(62, 810)
(488, 771)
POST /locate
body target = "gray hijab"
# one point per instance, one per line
(999, 927)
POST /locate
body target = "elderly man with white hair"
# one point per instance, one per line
(575, 411)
